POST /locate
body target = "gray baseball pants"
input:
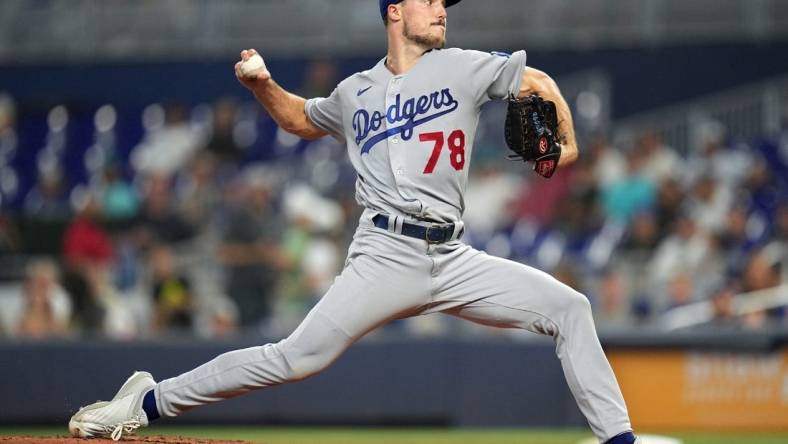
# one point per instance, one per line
(389, 276)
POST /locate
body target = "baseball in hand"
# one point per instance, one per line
(252, 65)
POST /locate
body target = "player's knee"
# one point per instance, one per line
(305, 368)
(304, 364)
(577, 303)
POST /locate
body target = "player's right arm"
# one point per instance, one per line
(285, 108)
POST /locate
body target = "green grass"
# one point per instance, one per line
(364, 435)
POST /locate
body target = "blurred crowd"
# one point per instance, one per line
(644, 230)
(214, 222)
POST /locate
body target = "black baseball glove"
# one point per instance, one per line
(531, 131)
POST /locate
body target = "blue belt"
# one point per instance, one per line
(433, 234)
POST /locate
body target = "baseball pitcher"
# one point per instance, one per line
(409, 124)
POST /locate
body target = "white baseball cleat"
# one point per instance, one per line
(119, 417)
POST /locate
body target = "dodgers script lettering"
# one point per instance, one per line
(413, 112)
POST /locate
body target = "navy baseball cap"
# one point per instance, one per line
(384, 4)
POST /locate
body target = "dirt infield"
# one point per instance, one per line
(129, 440)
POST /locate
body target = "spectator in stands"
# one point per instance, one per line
(632, 193)
(723, 308)
(607, 163)
(681, 290)
(88, 255)
(48, 199)
(611, 304)
(158, 221)
(119, 199)
(709, 204)
(249, 251)
(197, 192)
(670, 200)
(48, 308)
(763, 268)
(172, 293)
(763, 271)
(660, 162)
(10, 242)
(643, 236)
(685, 250)
(736, 241)
(711, 156)
(764, 191)
(165, 150)
(222, 144)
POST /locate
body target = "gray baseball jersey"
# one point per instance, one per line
(409, 137)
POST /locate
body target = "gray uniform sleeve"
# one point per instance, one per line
(496, 75)
(326, 114)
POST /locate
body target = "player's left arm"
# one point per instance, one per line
(538, 82)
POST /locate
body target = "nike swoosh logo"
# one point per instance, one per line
(362, 91)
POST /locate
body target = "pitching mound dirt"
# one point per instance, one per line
(130, 440)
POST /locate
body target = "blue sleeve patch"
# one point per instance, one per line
(501, 54)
